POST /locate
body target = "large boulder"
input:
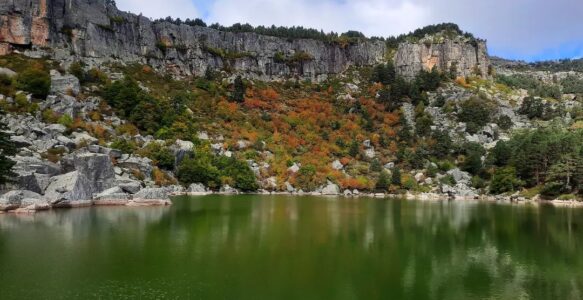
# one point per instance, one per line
(64, 84)
(330, 189)
(460, 176)
(197, 189)
(151, 197)
(33, 173)
(128, 185)
(14, 199)
(93, 174)
(112, 196)
(134, 163)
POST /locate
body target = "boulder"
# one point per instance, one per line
(337, 165)
(7, 72)
(370, 153)
(14, 199)
(419, 177)
(94, 174)
(128, 185)
(83, 138)
(460, 176)
(112, 196)
(294, 168)
(64, 84)
(133, 162)
(197, 189)
(330, 189)
(227, 189)
(151, 197)
(289, 188)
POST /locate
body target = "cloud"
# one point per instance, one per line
(160, 9)
(374, 17)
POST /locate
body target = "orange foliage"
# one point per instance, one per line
(253, 103)
(391, 119)
(269, 94)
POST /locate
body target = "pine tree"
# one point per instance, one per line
(7, 148)
(396, 177)
(354, 149)
(239, 92)
(383, 182)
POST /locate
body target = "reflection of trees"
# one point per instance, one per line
(324, 247)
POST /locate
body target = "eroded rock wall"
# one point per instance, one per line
(469, 58)
(98, 32)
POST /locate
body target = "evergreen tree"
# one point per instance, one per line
(383, 182)
(7, 148)
(396, 177)
(239, 92)
(354, 148)
(375, 165)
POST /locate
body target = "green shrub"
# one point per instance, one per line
(504, 180)
(124, 145)
(34, 81)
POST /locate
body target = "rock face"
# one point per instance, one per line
(468, 58)
(99, 32)
(94, 174)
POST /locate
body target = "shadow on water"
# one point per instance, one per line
(284, 247)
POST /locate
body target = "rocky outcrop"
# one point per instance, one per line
(461, 56)
(99, 32)
(93, 174)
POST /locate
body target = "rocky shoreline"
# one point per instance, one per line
(161, 197)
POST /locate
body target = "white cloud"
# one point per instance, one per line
(160, 9)
(373, 17)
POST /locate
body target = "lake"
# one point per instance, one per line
(285, 247)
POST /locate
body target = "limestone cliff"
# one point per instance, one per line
(99, 32)
(467, 57)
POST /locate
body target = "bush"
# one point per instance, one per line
(124, 146)
(476, 113)
(34, 81)
(198, 169)
(504, 180)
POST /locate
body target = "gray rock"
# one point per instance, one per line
(197, 188)
(133, 162)
(7, 72)
(330, 189)
(370, 153)
(337, 165)
(64, 84)
(13, 199)
(289, 188)
(94, 174)
(227, 189)
(128, 185)
(113, 195)
(83, 138)
(460, 176)
(153, 194)
(294, 168)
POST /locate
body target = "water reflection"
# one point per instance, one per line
(297, 247)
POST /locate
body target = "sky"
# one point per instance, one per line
(530, 30)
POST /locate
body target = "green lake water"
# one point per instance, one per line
(284, 247)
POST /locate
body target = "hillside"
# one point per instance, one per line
(109, 107)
